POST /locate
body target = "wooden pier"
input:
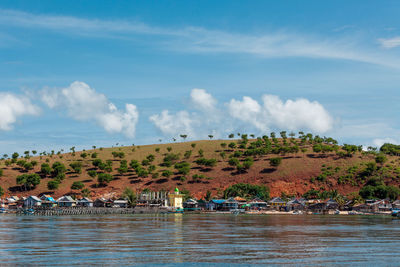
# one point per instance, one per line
(70, 211)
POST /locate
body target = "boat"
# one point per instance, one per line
(3, 210)
(297, 212)
(396, 213)
(237, 211)
(178, 210)
(29, 211)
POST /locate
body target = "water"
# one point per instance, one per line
(199, 239)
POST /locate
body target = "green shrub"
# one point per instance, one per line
(77, 185)
(53, 184)
(248, 191)
(275, 162)
(104, 178)
(92, 173)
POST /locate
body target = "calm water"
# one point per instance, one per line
(194, 240)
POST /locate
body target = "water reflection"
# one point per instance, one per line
(180, 239)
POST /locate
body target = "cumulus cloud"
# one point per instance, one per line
(248, 110)
(274, 113)
(83, 103)
(390, 42)
(203, 100)
(247, 114)
(174, 124)
(378, 142)
(297, 114)
(13, 106)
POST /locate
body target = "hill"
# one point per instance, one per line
(287, 166)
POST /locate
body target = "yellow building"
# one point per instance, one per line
(176, 200)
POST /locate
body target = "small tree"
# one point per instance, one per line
(208, 195)
(77, 185)
(167, 173)
(130, 195)
(104, 178)
(14, 157)
(275, 162)
(58, 169)
(92, 173)
(76, 166)
(233, 161)
(85, 192)
(187, 154)
(53, 184)
(28, 180)
(1, 192)
(380, 159)
(232, 145)
(210, 136)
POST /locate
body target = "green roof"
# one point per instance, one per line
(176, 189)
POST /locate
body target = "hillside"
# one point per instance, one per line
(306, 163)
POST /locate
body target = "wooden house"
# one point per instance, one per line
(215, 204)
(190, 204)
(66, 201)
(230, 204)
(396, 205)
(85, 202)
(295, 204)
(32, 201)
(48, 201)
(258, 203)
(120, 203)
(277, 203)
(102, 203)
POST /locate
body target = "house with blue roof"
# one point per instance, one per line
(48, 201)
(215, 204)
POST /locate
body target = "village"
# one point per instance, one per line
(164, 202)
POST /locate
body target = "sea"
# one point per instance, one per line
(199, 240)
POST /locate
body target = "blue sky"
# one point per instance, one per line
(67, 71)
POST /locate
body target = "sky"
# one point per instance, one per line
(84, 73)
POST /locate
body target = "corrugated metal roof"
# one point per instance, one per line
(218, 201)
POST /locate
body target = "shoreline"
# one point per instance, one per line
(127, 211)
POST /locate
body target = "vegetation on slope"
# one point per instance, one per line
(307, 165)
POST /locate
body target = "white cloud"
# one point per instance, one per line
(203, 100)
(274, 113)
(297, 114)
(201, 40)
(174, 124)
(378, 142)
(249, 111)
(14, 106)
(85, 104)
(243, 115)
(390, 42)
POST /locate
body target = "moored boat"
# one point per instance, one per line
(29, 211)
(396, 213)
(178, 210)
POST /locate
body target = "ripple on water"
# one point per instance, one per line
(198, 239)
